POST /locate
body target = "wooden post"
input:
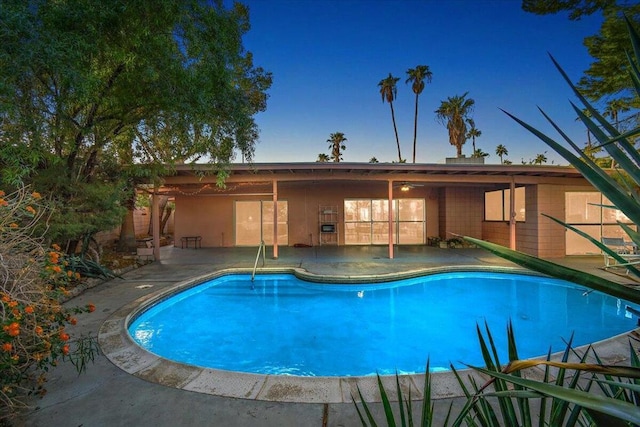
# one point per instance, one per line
(390, 219)
(512, 214)
(155, 223)
(275, 219)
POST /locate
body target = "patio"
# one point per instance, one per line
(107, 395)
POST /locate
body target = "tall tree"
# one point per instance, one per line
(453, 113)
(82, 80)
(577, 8)
(608, 76)
(417, 77)
(473, 133)
(501, 151)
(336, 145)
(323, 158)
(388, 91)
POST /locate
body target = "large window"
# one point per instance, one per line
(497, 205)
(254, 222)
(587, 212)
(366, 221)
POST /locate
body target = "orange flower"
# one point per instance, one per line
(73, 320)
(64, 336)
(56, 247)
(2, 193)
(57, 268)
(13, 225)
(13, 330)
(77, 275)
(69, 273)
(36, 195)
(7, 347)
(12, 304)
(38, 330)
(3, 202)
(28, 309)
(91, 308)
(30, 210)
(5, 298)
(65, 349)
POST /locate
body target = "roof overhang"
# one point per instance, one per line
(256, 174)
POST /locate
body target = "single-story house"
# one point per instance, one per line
(287, 204)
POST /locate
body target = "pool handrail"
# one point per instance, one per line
(255, 265)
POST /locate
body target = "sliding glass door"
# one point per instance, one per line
(254, 222)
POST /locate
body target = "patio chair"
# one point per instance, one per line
(626, 250)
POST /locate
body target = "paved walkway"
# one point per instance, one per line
(108, 396)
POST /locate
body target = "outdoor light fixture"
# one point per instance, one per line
(405, 187)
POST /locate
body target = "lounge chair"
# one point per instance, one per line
(626, 250)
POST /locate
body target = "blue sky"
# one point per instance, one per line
(327, 58)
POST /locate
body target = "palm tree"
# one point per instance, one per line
(473, 133)
(373, 160)
(323, 158)
(501, 151)
(479, 153)
(453, 113)
(540, 159)
(336, 145)
(388, 90)
(613, 110)
(417, 76)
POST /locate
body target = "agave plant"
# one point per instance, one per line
(562, 398)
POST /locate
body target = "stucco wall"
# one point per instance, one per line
(212, 216)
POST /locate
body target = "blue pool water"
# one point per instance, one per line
(291, 327)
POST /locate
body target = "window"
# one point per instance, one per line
(367, 221)
(497, 204)
(587, 211)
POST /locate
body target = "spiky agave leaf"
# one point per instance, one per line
(600, 245)
(566, 273)
(604, 405)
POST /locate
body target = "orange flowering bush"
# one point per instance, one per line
(33, 322)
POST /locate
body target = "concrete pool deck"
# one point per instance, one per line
(109, 395)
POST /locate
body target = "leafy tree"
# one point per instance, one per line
(608, 77)
(323, 158)
(373, 160)
(336, 145)
(389, 91)
(417, 77)
(473, 133)
(91, 88)
(453, 113)
(501, 151)
(577, 8)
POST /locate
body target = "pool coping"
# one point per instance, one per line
(120, 348)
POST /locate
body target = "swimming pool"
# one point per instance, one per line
(283, 325)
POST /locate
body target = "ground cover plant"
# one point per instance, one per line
(572, 391)
(33, 281)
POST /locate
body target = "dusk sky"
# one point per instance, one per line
(327, 58)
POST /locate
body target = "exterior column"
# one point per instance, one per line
(390, 219)
(275, 219)
(155, 223)
(512, 214)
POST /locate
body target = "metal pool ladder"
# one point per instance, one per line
(261, 248)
